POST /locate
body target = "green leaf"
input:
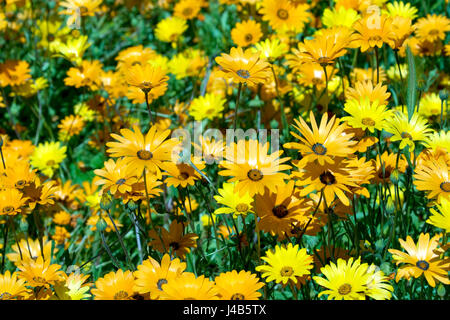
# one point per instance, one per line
(411, 91)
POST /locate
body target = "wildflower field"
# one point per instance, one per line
(224, 149)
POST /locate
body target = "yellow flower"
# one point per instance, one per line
(74, 287)
(246, 33)
(271, 49)
(170, 29)
(372, 31)
(189, 287)
(282, 15)
(252, 167)
(151, 276)
(400, 9)
(40, 273)
(11, 287)
(48, 156)
(11, 202)
(441, 219)
(143, 152)
(238, 286)
(421, 259)
(340, 17)
(73, 50)
(366, 115)
(407, 131)
(244, 66)
(345, 281)
(285, 263)
(115, 286)
(209, 106)
(29, 250)
(233, 202)
(79, 8)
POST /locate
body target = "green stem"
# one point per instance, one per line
(236, 110)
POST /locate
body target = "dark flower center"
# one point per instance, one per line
(445, 186)
(319, 149)
(286, 271)
(368, 122)
(238, 296)
(254, 175)
(187, 12)
(144, 155)
(423, 265)
(174, 245)
(120, 181)
(386, 175)
(160, 283)
(280, 211)
(183, 175)
(120, 295)
(406, 135)
(327, 178)
(248, 37)
(375, 38)
(8, 209)
(39, 280)
(50, 163)
(20, 183)
(243, 73)
(345, 289)
(242, 207)
(283, 14)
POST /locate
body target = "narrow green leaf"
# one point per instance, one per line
(411, 91)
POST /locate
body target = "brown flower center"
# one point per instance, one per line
(248, 37)
(8, 209)
(368, 122)
(319, 149)
(187, 12)
(120, 181)
(422, 264)
(345, 289)
(242, 207)
(175, 245)
(50, 163)
(160, 283)
(120, 295)
(39, 280)
(50, 37)
(280, 211)
(254, 175)
(286, 271)
(386, 175)
(283, 14)
(375, 38)
(406, 135)
(183, 175)
(243, 73)
(327, 178)
(144, 155)
(445, 186)
(19, 184)
(433, 32)
(324, 61)
(238, 296)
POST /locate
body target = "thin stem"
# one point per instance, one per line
(378, 64)
(120, 240)
(148, 108)
(280, 98)
(236, 110)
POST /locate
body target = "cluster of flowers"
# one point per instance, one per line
(364, 162)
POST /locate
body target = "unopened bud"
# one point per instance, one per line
(443, 95)
(101, 225)
(106, 201)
